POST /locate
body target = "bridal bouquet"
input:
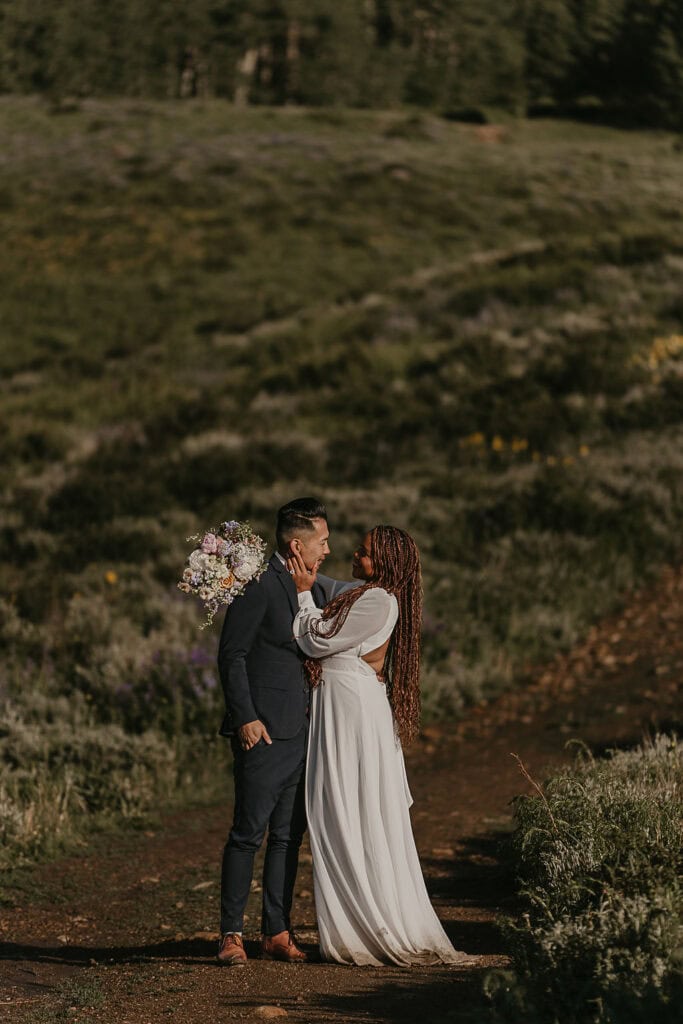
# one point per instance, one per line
(219, 569)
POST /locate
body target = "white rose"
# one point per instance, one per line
(245, 561)
(199, 562)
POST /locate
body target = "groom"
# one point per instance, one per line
(266, 697)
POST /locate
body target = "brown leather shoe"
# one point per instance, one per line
(231, 951)
(282, 947)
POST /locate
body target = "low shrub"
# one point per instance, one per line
(600, 857)
(54, 773)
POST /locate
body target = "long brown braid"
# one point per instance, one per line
(396, 565)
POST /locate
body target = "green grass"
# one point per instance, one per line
(71, 997)
(208, 311)
(599, 858)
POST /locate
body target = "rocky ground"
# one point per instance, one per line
(125, 932)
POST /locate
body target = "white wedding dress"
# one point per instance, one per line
(370, 895)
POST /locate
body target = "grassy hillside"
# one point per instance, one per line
(474, 333)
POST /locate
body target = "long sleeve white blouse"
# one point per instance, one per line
(369, 624)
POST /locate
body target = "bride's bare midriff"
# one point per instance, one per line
(375, 659)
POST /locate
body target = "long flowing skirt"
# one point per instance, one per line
(371, 899)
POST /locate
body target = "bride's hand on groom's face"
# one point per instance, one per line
(302, 577)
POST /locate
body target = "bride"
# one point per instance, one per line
(363, 663)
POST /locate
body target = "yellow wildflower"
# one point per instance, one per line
(473, 440)
(660, 350)
(111, 577)
(498, 444)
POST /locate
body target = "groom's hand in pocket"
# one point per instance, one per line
(251, 732)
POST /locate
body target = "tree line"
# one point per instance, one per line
(613, 59)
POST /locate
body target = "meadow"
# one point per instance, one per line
(473, 332)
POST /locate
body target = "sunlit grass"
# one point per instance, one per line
(209, 310)
(598, 851)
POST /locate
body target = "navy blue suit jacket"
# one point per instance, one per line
(260, 665)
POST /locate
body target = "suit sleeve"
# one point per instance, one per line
(241, 624)
(373, 613)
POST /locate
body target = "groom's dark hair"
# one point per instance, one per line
(296, 516)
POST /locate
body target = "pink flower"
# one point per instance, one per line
(209, 544)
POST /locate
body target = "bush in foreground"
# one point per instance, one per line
(599, 855)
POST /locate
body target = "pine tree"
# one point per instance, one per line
(627, 55)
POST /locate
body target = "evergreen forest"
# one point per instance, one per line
(614, 60)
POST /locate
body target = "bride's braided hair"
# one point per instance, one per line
(396, 565)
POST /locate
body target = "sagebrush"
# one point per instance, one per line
(209, 310)
(600, 860)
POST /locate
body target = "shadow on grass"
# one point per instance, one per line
(670, 726)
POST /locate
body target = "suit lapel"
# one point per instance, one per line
(286, 581)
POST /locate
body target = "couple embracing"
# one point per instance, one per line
(321, 686)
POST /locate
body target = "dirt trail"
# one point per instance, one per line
(129, 926)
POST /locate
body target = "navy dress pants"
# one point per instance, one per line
(269, 795)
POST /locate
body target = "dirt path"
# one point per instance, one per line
(125, 933)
